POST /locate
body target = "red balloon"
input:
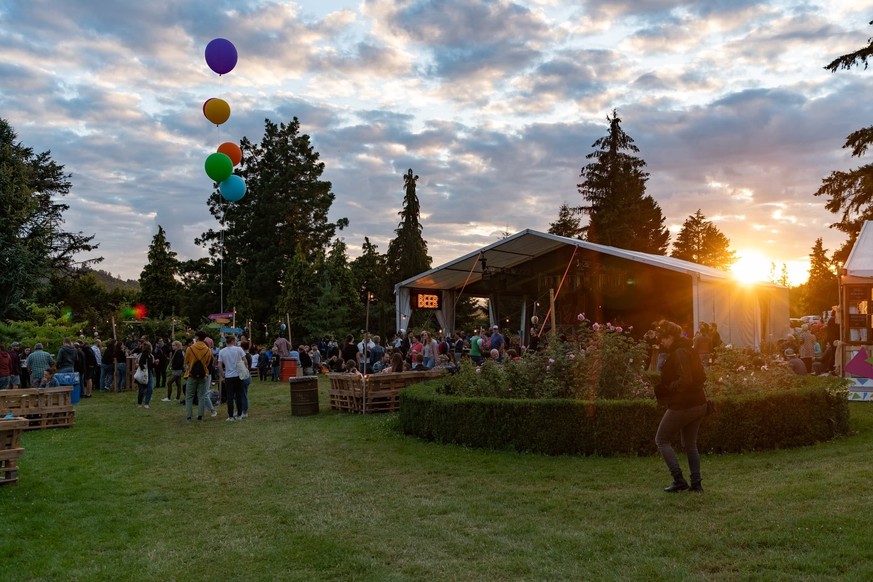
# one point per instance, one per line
(232, 151)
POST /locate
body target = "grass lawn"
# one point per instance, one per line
(131, 494)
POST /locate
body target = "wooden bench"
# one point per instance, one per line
(375, 392)
(41, 407)
(10, 448)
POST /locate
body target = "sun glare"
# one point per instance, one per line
(751, 267)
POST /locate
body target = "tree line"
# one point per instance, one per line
(276, 256)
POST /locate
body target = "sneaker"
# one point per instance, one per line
(214, 413)
(239, 417)
(146, 406)
(165, 399)
(188, 420)
(139, 405)
(244, 415)
(199, 419)
(230, 419)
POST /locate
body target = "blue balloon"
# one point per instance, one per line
(282, 327)
(233, 189)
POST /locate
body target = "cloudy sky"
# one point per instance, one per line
(493, 104)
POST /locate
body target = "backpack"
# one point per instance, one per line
(377, 367)
(198, 371)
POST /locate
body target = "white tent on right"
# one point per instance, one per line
(856, 305)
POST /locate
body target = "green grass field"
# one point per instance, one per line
(131, 494)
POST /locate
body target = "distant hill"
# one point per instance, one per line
(111, 282)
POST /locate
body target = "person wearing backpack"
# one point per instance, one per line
(198, 359)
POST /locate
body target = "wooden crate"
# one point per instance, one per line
(376, 393)
(41, 407)
(10, 449)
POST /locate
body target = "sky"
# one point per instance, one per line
(493, 104)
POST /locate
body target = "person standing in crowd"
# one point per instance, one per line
(146, 361)
(228, 358)
(107, 367)
(534, 341)
(282, 347)
(245, 346)
(88, 363)
(177, 368)
(349, 350)
(5, 368)
(16, 377)
(198, 360)
(305, 360)
(429, 349)
(67, 357)
(37, 363)
(498, 342)
(458, 346)
(807, 346)
(23, 352)
(162, 362)
(315, 356)
(702, 344)
(476, 348)
(119, 360)
(264, 364)
(681, 390)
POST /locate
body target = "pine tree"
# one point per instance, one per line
(159, 288)
(568, 224)
(336, 299)
(285, 209)
(35, 249)
(407, 253)
(850, 194)
(613, 185)
(701, 242)
(822, 287)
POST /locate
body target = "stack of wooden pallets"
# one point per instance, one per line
(10, 448)
(41, 407)
(375, 393)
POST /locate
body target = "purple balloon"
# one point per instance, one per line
(221, 55)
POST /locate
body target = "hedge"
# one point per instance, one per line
(769, 420)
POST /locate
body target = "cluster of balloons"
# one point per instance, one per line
(221, 56)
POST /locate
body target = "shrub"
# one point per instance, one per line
(748, 422)
(604, 362)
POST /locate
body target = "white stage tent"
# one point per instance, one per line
(639, 284)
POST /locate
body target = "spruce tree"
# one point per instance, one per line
(850, 194)
(701, 242)
(613, 185)
(407, 252)
(568, 224)
(159, 288)
(822, 287)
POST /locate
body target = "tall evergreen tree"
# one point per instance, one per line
(159, 288)
(35, 248)
(701, 242)
(850, 194)
(821, 288)
(336, 301)
(568, 224)
(284, 209)
(613, 184)
(407, 253)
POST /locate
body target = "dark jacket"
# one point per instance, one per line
(682, 378)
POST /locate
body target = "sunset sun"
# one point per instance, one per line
(751, 267)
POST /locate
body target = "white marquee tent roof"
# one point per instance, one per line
(860, 261)
(530, 244)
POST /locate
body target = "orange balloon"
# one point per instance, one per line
(216, 110)
(232, 151)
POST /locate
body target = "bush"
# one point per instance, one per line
(604, 363)
(747, 422)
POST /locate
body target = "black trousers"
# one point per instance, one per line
(234, 389)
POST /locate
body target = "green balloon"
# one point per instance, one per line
(219, 167)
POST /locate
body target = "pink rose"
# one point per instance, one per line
(595, 327)
(572, 356)
(618, 329)
(581, 317)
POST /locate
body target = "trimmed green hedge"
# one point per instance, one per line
(569, 427)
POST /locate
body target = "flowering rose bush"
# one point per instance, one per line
(602, 362)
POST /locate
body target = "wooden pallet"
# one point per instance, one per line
(376, 393)
(10, 449)
(41, 407)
